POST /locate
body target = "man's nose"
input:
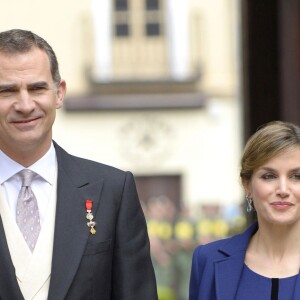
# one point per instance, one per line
(25, 103)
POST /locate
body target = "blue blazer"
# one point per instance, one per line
(217, 268)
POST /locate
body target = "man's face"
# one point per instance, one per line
(28, 102)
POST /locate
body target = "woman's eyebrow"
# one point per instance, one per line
(274, 170)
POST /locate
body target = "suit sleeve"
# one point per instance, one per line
(133, 274)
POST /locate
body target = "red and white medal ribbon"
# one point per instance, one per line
(91, 224)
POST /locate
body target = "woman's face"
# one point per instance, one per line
(275, 189)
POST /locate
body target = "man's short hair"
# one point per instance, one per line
(21, 41)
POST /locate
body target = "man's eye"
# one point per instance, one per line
(5, 93)
(296, 176)
(38, 89)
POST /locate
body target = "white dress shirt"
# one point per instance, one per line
(41, 185)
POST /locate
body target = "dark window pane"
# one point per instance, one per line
(152, 4)
(121, 30)
(152, 29)
(121, 5)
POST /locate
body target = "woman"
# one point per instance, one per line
(263, 262)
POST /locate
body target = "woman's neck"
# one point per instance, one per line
(274, 251)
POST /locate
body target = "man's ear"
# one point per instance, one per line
(61, 92)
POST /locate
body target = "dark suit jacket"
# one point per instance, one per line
(217, 268)
(113, 264)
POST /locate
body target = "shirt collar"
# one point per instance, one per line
(45, 166)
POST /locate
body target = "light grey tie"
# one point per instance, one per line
(27, 213)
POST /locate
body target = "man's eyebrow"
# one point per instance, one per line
(38, 84)
(7, 87)
(13, 87)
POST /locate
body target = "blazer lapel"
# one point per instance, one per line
(297, 288)
(228, 270)
(228, 273)
(71, 232)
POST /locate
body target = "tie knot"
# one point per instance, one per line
(26, 176)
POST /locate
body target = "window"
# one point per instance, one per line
(153, 16)
(128, 17)
(121, 5)
(120, 18)
(152, 29)
(121, 30)
(152, 5)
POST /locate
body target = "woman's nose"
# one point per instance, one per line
(283, 188)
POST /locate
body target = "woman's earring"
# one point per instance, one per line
(249, 203)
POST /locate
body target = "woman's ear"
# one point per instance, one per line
(246, 185)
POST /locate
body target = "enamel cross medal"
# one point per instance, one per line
(89, 216)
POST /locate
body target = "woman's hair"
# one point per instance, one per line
(21, 41)
(270, 140)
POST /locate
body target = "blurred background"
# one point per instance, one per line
(170, 90)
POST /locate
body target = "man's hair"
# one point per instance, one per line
(21, 41)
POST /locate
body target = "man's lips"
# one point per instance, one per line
(25, 124)
(24, 121)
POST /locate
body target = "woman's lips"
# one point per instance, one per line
(282, 204)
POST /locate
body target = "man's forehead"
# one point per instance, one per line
(35, 54)
(26, 69)
(31, 61)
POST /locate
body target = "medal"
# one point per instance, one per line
(91, 224)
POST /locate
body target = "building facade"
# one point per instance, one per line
(153, 87)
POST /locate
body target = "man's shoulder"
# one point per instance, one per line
(86, 165)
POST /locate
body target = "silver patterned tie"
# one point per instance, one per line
(27, 213)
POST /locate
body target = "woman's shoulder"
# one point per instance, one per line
(227, 245)
(212, 247)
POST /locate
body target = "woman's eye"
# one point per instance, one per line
(268, 176)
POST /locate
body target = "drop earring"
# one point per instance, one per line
(249, 204)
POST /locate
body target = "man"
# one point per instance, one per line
(75, 230)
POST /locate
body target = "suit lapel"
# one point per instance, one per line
(71, 232)
(9, 288)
